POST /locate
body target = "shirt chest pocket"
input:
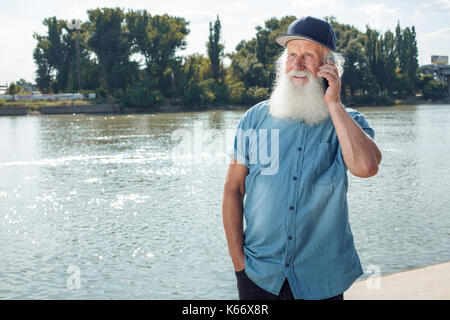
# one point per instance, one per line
(326, 170)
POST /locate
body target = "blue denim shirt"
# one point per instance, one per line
(295, 207)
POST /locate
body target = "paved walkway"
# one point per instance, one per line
(425, 283)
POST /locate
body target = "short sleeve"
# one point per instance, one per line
(359, 118)
(241, 144)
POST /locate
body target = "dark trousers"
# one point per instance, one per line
(248, 290)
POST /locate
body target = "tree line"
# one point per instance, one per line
(378, 69)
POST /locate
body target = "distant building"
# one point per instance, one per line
(28, 87)
(439, 69)
(3, 88)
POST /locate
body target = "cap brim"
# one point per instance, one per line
(283, 39)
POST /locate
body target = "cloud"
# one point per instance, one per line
(435, 7)
(309, 4)
(377, 9)
(241, 6)
(443, 3)
(228, 20)
(254, 22)
(197, 16)
(442, 34)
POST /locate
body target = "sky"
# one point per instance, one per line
(19, 19)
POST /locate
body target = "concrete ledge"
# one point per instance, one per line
(92, 108)
(424, 283)
(13, 111)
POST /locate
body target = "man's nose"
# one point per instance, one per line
(299, 63)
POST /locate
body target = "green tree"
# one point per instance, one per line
(399, 48)
(56, 52)
(91, 73)
(389, 62)
(370, 63)
(49, 56)
(431, 88)
(357, 76)
(411, 64)
(13, 89)
(110, 41)
(372, 51)
(246, 67)
(345, 33)
(158, 38)
(55, 57)
(196, 70)
(200, 88)
(215, 50)
(44, 69)
(382, 52)
(407, 60)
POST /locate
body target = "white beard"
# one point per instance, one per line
(297, 101)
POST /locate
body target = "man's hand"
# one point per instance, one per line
(330, 72)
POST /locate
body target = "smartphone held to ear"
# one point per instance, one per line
(324, 84)
(325, 81)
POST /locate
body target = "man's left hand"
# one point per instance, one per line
(330, 72)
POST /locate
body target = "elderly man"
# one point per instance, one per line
(297, 242)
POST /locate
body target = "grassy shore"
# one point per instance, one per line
(34, 105)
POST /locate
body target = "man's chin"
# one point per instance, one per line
(299, 82)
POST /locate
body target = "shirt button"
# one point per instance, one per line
(295, 178)
(287, 265)
(299, 148)
(290, 237)
(291, 208)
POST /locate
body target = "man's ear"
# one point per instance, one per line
(326, 53)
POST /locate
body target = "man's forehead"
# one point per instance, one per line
(303, 45)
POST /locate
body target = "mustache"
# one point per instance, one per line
(302, 73)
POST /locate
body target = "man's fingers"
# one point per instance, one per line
(328, 68)
(324, 74)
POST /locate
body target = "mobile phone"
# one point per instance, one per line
(324, 84)
(325, 81)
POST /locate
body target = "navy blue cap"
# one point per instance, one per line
(309, 28)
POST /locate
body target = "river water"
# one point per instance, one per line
(129, 206)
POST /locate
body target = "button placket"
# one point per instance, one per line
(293, 196)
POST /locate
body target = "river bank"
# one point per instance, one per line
(414, 100)
(112, 108)
(105, 109)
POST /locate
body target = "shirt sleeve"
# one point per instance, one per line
(359, 118)
(241, 144)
